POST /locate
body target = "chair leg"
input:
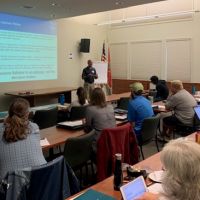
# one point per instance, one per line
(156, 140)
(142, 152)
(86, 172)
(59, 147)
(81, 178)
(174, 134)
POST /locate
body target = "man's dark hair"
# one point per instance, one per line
(138, 93)
(154, 79)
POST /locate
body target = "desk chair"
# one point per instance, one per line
(123, 103)
(46, 118)
(185, 130)
(78, 152)
(54, 180)
(120, 139)
(152, 93)
(77, 113)
(149, 132)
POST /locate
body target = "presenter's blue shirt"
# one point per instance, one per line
(139, 108)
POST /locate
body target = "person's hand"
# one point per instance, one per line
(148, 196)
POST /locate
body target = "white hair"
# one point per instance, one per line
(177, 85)
(181, 159)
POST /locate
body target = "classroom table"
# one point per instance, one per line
(57, 136)
(116, 97)
(152, 163)
(106, 186)
(160, 107)
(31, 95)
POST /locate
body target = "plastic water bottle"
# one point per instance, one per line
(193, 90)
(62, 99)
(118, 176)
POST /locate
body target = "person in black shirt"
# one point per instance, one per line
(88, 75)
(161, 88)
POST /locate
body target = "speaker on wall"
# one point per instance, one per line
(85, 45)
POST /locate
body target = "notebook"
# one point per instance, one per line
(134, 189)
(120, 111)
(93, 194)
(121, 116)
(71, 124)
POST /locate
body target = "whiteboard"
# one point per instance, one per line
(101, 69)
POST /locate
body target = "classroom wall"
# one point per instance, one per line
(69, 70)
(163, 31)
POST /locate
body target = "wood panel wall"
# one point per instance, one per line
(122, 85)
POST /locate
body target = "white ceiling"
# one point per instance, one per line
(64, 8)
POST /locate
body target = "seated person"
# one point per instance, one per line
(81, 101)
(99, 115)
(182, 103)
(161, 88)
(20, 140)
(64, 115)
(139, 108)
(180, 159)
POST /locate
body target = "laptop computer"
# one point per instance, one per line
(134, 189)
(78, 124)
(197, 111)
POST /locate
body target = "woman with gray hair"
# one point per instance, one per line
(181, 160)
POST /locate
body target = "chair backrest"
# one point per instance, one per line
(50, 181)
(123, 103)
(46, 118)
(78, 150)
(77, 112)
(120, 139)
(149, 128)
(152, 93)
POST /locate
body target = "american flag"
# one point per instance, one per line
(103, 56)
(109, 72)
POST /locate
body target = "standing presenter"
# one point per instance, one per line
(88, 75)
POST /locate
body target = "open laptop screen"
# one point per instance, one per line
(134, 189)
(197, 111)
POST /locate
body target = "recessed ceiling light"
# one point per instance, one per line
(28, 7)
(54, 4)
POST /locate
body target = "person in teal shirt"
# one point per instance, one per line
(139, 107)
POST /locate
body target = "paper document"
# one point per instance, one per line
(197, 99)
(154, 106)
(44, 142)
(71, 123)
(122, 117)
(155, 188)
(65, 106)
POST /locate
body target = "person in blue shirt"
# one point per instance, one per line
(139, 108)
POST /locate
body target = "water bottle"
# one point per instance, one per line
(118, 176)
(62, 99)
(193, 90)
